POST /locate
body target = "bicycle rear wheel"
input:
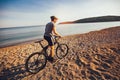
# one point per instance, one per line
(35, 62)
(61, 51)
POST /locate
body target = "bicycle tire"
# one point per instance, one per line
(63, 48)
(35, 64)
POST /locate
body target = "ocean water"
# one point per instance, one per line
(16, 35)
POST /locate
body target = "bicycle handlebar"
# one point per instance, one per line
(56, 38)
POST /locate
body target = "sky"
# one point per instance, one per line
(15, 13)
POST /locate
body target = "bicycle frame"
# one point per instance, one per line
(46, 47)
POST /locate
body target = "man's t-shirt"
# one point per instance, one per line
(48, 29)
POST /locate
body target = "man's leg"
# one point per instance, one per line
(52, 52)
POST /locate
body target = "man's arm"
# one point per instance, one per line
(55, 32)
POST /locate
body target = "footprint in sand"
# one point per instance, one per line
(83, 73)
(98, 57)
(105, 66)
(95, 74)
(79, 62)
(116, 50)
(105, 62)
(92, 77)
(107, 76)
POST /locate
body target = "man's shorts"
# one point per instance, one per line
(50, 40)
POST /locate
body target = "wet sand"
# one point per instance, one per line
(92, 56)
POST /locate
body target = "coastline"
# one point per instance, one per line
(86, 55)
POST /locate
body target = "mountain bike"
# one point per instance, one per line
(37, 61)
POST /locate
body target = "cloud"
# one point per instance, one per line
(30, 12)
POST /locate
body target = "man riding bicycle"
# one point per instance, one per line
(50, 30)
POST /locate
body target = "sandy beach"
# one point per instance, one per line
(92, 56)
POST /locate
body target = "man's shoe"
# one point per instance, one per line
(50, 59)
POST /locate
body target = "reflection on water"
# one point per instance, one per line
(69, 29)
(10, 36)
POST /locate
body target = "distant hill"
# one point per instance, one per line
(67, 22)
(95, 19)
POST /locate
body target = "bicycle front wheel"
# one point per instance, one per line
(35, 62)
(61, 51)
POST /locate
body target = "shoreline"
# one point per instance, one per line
(32, 41)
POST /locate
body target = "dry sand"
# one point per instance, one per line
(92, 56)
